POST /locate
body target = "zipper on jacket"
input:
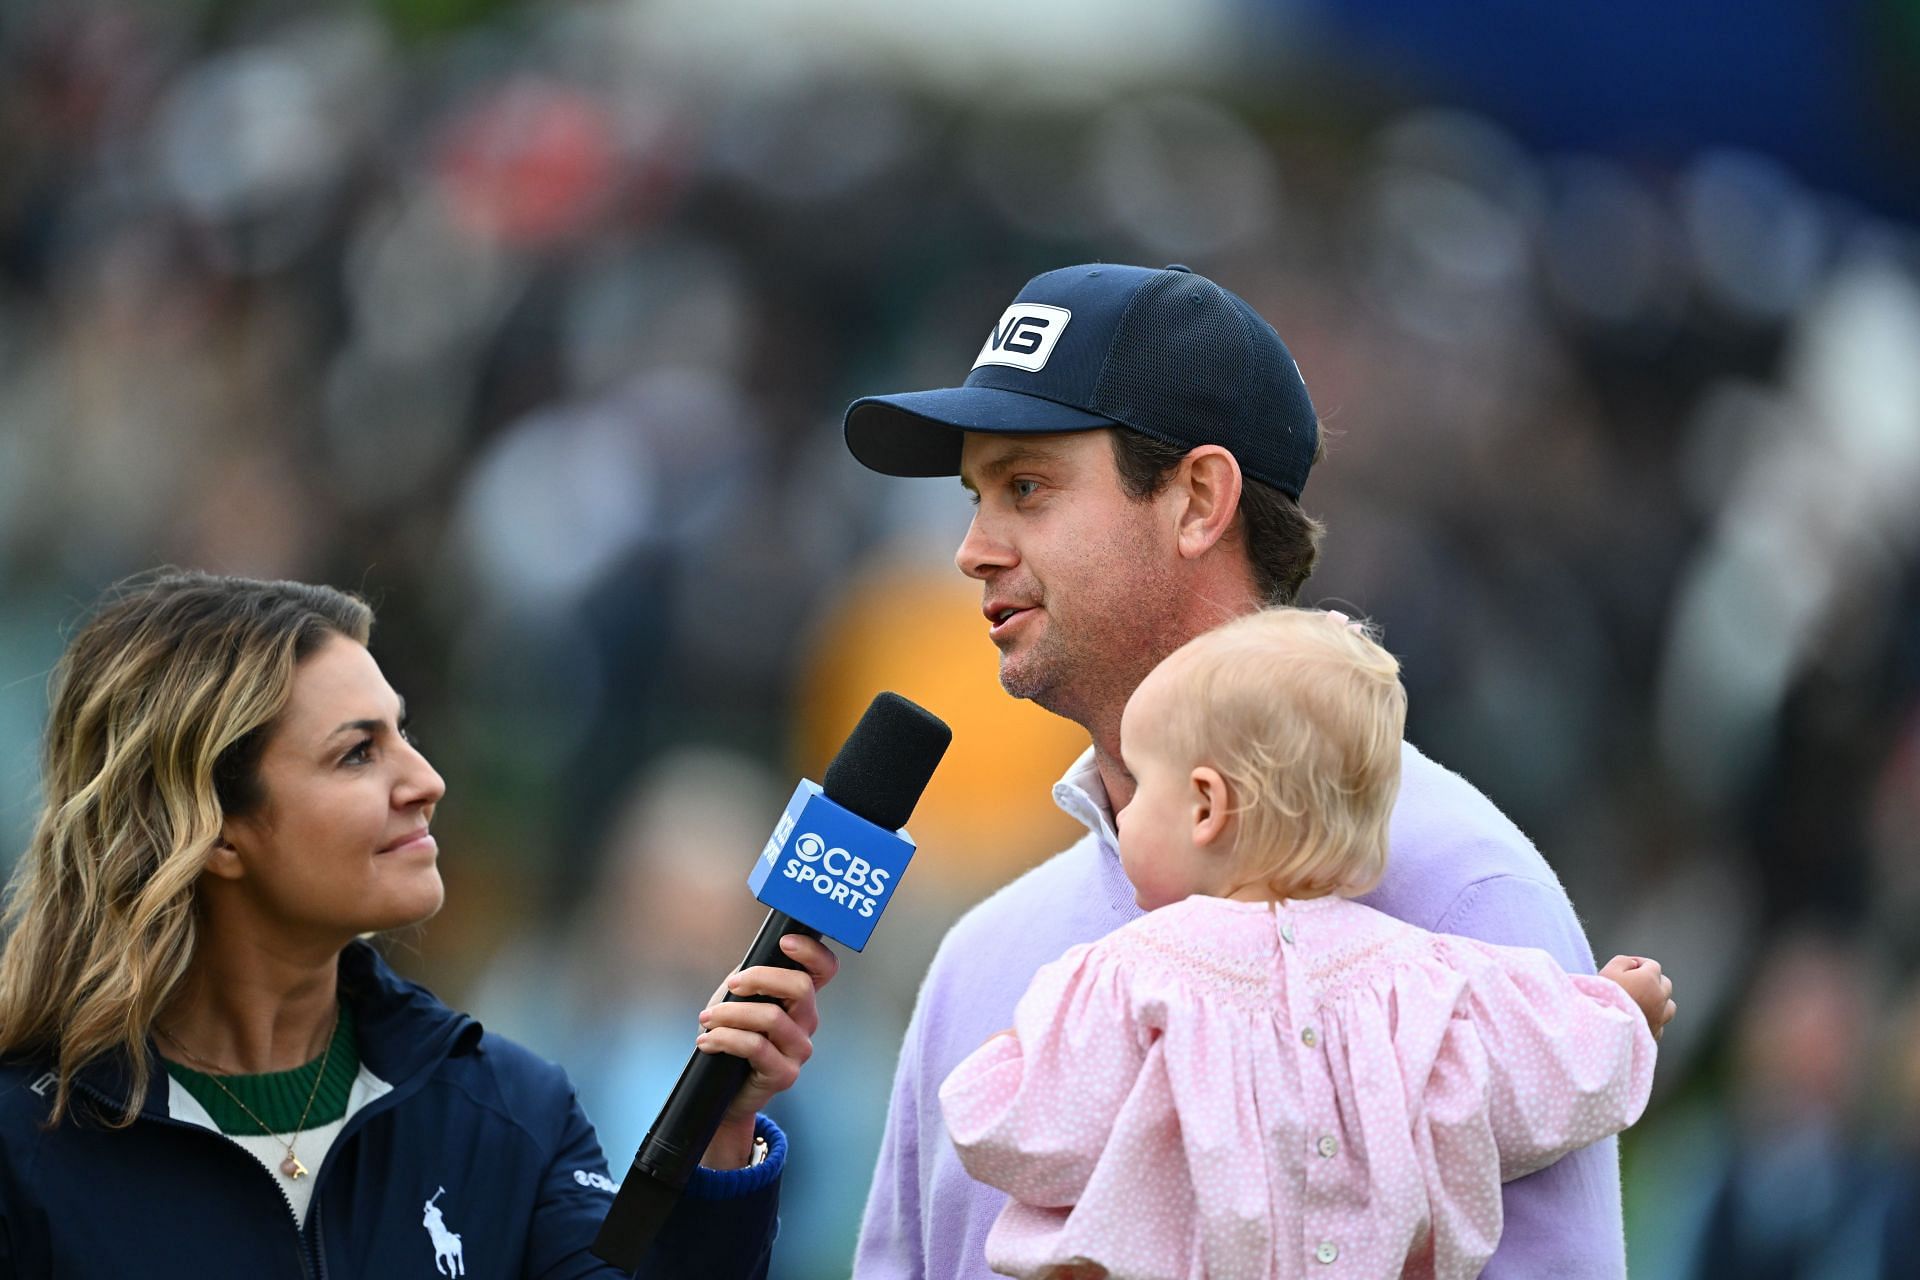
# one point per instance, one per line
(313, 1260)
(293, 1219)
(313, 1263)
(312, 1232)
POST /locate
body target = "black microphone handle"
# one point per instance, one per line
(711, 1081)
(695, 1108)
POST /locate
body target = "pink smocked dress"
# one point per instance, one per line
(1250, 1091)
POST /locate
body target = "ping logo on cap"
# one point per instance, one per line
(1025, 336)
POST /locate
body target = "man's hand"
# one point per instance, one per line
(775, 1039)
(1651, 990)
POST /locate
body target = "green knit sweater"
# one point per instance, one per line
(277, 1098)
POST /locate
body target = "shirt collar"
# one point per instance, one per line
(1082, 796)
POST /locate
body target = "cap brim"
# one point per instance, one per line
(917, 433)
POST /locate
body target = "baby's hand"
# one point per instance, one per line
(1650, 989)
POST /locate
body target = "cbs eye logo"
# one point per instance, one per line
(838, 874)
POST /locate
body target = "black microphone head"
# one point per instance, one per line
(887, 761)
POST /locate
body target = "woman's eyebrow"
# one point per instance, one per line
(370, 726)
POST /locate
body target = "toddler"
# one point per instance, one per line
(1260, 1077)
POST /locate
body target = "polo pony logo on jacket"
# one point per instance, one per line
(447, 1257)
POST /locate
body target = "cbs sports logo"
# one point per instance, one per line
(837, 874)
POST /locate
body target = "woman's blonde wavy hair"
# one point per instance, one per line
(160, 708)
(1302, 713)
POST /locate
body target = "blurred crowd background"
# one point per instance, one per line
(534, 324)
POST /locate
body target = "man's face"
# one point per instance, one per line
(1080, 580)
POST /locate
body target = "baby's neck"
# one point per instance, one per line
(1264, 892)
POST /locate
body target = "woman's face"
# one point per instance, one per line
(338, 844)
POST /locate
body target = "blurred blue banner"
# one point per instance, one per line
(1830, 86)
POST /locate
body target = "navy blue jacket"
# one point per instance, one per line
(496, 1126)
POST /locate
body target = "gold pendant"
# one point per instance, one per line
(293, 1168)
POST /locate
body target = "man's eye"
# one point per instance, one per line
(1024, 488)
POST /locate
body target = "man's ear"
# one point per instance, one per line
(1207, 488)
(1212, 807)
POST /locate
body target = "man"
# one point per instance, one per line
(1136, 442)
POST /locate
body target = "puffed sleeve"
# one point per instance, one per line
(1030, 1112)
(1534, 1063)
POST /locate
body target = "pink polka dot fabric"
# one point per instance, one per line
(1252, 1091)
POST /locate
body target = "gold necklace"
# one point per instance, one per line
(290, 1166)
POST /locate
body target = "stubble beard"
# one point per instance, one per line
(1081, 682)
(1029, 674)
(1084, 670)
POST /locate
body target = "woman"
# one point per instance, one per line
(204, 1069)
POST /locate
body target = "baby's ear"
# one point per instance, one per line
(1212, 806)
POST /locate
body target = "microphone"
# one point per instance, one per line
(833, 878)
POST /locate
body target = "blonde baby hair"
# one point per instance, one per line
(1302, 713)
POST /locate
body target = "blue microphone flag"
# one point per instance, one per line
(829, 868)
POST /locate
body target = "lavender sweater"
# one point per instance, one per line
(1457, 866)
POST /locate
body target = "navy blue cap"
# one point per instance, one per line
(1168, 353)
